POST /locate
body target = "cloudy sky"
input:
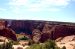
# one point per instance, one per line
(52, 10)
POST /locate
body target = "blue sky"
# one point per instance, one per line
(51, 10)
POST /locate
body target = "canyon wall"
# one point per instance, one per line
(48, 29)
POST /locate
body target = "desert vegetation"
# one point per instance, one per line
(6, 45)
(49, 44)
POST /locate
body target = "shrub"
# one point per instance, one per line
(63, 47)
(1, 46)
(24, 38)
(6, 45)
(34, 46)
(50, 44)
(9, 45)
(15, 43)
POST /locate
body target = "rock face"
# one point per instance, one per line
(22, 26)
(67, 41)
(62, 31)
(52, 30)
(57, 31)
(36, 35)
(44, 37)
(46, 32)
(8, 33)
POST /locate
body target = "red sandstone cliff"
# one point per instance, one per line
(62, 31)
(53, 29)
(9, 33)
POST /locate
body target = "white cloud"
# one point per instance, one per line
(55, 2)
(54, 9)
(18, 2)
(40, 2)
(34, 9)
(39, 5)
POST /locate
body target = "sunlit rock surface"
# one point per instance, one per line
(67, 41)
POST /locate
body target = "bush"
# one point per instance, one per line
(1, 46)
(6, 46)
(15, 43)
(9, 45)
(63, 47)
(24, 38)
(35, 46)
(49, 44)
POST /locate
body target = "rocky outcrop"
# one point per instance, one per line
(36, 35)
(57, 31)
(62, 31)
(9, 33)
(44, 37)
